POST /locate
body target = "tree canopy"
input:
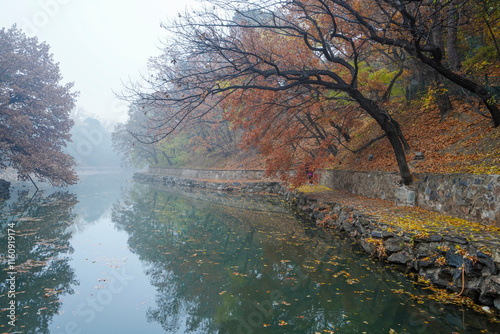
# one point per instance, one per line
(295, 76)
(34, 110)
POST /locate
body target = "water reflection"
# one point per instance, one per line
(42, 251)
(159, 261)
(96, 194)
(217, 269)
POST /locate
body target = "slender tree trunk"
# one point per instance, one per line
(452, 40)
(154, 155)
(33, 182)
(388, 91)
(492, 36)
(391, 129)
(368, 144)
(166, 157)
(442, 97)
(463, 82)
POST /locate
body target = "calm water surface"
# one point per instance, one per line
(108, 256)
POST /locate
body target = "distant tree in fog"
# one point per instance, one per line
(34, 111)
(132, 140)
(91, 142)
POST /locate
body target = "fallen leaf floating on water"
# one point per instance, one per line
(345, 273)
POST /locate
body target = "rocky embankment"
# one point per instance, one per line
(272, 187)
(448, 261)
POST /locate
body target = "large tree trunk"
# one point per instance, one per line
(443, 102)
(437, 36)
(392, 134)
(442, 98)
(391, 129)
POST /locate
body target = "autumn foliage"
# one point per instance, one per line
(34, 111)
(462, 143)
(325, 83)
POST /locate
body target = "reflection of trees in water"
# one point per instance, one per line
(42, 241)
(209, 263)
(157, 224)
(96, 194)
(222, 269)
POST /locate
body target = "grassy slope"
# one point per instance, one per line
(238, 159)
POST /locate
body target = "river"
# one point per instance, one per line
(111, 256)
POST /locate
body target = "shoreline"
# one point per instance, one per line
(466, 269)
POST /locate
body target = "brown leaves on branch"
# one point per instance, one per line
(34, 111)
(296, 77)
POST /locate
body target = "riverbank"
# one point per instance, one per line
(253, 186)
(460, 257)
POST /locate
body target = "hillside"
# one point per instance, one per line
(464, 142)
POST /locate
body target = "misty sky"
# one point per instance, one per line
(98, 43)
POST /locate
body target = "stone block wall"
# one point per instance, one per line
(471, 197)
(250, 186)
(370, 184)
(217, 174)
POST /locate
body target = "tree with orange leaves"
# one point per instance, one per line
(271, 46)
(293, 128)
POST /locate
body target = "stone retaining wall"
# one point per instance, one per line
(245, 186)
(471, 197)
(217, 174)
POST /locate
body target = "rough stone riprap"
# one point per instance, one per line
(447, 261)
